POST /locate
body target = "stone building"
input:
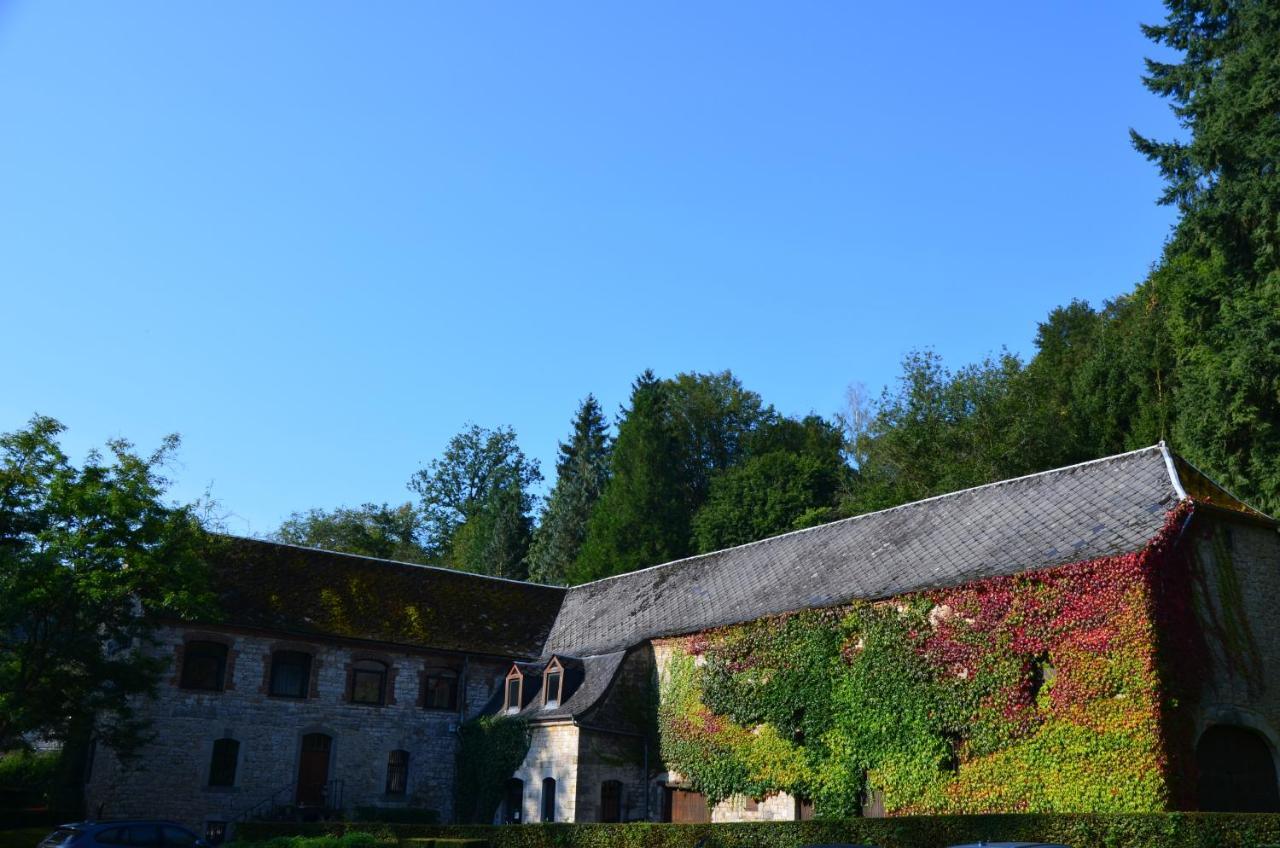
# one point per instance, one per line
(337, 682)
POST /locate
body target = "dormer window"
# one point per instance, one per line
(553, 684)
(515, 691)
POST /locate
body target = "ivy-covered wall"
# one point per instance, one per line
(1042, 692)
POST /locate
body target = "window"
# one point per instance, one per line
(440, 689)
(222, 767)
(141, 836)
(549, 799)
(290, 674)
(611, 801)
(551, 683)
(397, 772)
(368, 682)
(204, 665)
(515, 691)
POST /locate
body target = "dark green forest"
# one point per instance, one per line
(695, 462)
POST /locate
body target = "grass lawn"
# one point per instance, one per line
(23, 837)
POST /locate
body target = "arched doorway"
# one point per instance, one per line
(513, 801)
(1237, 772)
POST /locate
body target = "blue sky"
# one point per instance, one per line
(317, 238)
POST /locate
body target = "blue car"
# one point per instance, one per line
(132, 833)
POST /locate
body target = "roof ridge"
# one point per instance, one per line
(440, 568)
(1156, 447)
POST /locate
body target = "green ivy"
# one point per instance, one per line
(1039, 692)
(490, 749)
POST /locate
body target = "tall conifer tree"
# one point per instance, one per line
(582, 470)
(641, 518)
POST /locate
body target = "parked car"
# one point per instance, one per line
(131, 833)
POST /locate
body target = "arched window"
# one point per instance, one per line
(440, 689)
(290, 674)
(369, 682)
(611, 801)
(1237, 772)
(222, 766)
(204, 666)
(549, 799)
(397, 772)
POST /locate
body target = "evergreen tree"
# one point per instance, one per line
(582, 470)
(1221, 272)
(641, 518)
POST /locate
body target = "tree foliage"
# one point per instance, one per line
(642, 516)
(375, 530)
(90, 560)
(582, 470)
(476, 502)
(791, 477)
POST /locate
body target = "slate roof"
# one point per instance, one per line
(590, 678)
(312, 592)
(1101, 508)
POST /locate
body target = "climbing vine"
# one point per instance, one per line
(490, 749)
(1039, 692)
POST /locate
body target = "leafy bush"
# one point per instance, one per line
(1118, 830)
(397, 815)
(353, 839)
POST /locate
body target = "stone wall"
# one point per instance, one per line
(553, 753)
(739, 808)
(606, 756)
(169, 778)
(1240, 560)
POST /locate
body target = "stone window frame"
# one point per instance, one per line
(313, 682)
(435, 671)
(388, 681)
(556, 668)
(228, 670)
(514, 674)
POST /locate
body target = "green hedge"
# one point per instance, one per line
(1156, 830)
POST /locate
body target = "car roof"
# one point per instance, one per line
(119, 822)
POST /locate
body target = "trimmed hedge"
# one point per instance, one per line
(1153, 830)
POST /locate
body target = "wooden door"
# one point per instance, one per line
(688, 807)
(313, 769)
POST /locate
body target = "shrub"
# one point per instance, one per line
(1119, 830)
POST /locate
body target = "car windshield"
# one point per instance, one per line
(61, 836)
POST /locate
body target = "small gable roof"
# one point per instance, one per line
(309, 591)
(1100, 508)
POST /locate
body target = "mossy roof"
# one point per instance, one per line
(308, 591)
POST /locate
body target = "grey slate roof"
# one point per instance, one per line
(1101, 508)
(597, 672)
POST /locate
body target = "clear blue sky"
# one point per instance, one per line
(317, 238)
